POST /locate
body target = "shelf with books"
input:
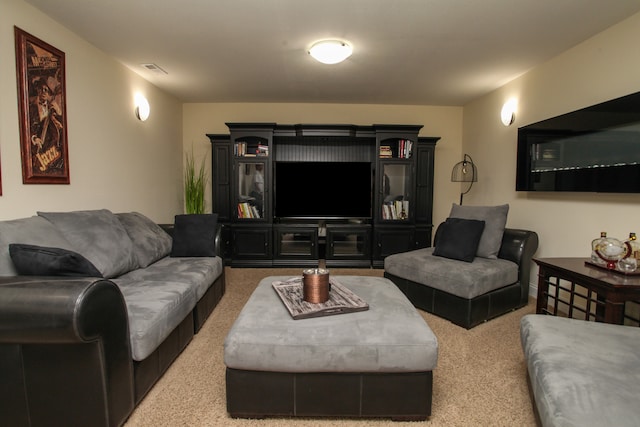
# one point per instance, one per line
(395, 210)
(251, 148)
(401, 148)
(247, 210)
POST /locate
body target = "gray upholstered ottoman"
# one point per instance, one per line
(374, 363)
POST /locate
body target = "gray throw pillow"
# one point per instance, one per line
(99, 236)
(495, 218)
(32, 260)
(150, 241)
(458, 238)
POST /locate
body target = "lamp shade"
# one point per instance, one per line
(465, 171)
(330, 51)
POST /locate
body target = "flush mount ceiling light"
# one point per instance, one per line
(330, 51)
(142, 107)
(508, 113)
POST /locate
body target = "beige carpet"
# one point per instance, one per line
(480, 379)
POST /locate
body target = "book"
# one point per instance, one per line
(385, 152)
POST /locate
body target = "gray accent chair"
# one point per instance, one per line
(467, 294)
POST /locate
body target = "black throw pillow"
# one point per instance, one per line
(32, 260)
(194, 235)
(458, 238)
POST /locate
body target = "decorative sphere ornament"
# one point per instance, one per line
(612, 250)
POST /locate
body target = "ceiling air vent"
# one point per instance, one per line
(155, 68)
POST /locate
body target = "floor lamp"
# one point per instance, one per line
(465, 171)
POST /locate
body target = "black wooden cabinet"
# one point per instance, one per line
(348, 245)
(401, 166)
(295, 245)
(251, 245)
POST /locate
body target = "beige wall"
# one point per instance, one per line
(119, 163)
(116, 162)
(445, 122)
(604, 67)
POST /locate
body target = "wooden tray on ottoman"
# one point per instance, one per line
(341, 300)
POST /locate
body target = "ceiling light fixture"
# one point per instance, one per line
(330, 51)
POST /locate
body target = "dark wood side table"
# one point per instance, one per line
(570, 287)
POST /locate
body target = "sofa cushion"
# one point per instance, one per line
(99, 237)
(495, 218)
(154, 309)
(194, 235)
(32, 230)
(199, 272)
(458, 239)
(150, 241)
(464, 279)
(161, 295)
(582, 373)
(32, 260)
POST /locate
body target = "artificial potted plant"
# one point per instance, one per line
(194, 232)
(194, 185)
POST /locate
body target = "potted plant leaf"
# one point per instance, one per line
(195, 184)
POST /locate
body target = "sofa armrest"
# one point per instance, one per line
(64, 351)
(519, 246)
(218, 240)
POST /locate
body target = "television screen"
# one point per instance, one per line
(323, 189)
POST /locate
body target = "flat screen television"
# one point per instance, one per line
(322, 190)
(595, 149)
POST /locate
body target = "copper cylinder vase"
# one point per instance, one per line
(315, 285)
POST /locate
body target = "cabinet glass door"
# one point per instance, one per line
(250, 190)
(396, 183)
(348, 245)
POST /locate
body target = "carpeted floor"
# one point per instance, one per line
(480, 379)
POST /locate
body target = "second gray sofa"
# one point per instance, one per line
(582, 373)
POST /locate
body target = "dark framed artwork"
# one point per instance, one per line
(42, 108)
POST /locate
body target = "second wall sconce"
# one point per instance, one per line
(142, 109)
(508, 113)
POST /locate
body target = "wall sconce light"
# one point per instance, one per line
(508, 113)
(465, 171)
(142, 109)
(330, 51)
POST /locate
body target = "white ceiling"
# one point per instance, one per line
(422, 52)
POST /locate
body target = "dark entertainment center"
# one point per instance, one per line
(291, 195)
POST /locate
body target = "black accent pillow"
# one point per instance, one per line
(194, 235)
(32, 260)
(458, 238)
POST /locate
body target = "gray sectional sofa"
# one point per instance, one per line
(582, 373)
(94, 307)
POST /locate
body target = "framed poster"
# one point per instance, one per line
(42, 108)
